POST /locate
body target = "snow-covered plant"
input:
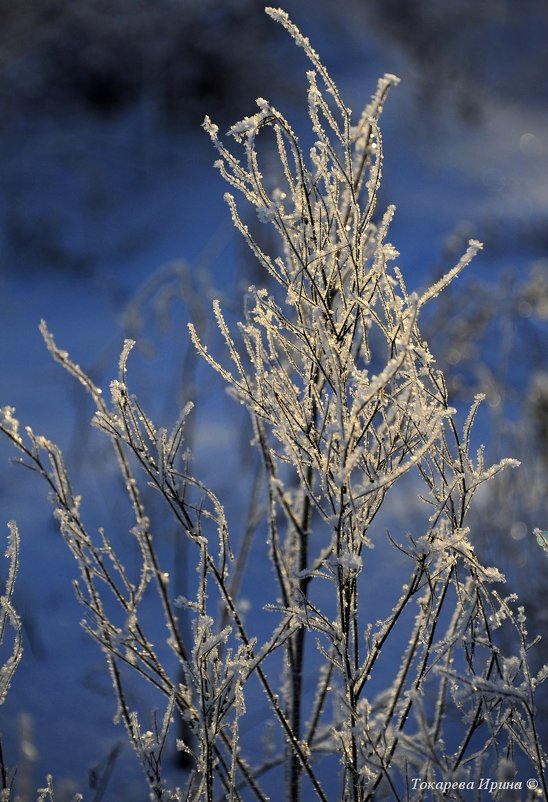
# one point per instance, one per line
(9, 656)
(348, 412)
(9, 620)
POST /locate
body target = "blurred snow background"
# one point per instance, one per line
(112, 224)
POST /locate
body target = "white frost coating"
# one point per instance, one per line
(118, 392)
(248, 125)
(10, 424)
(473, 248)
(8, 616)
(350, 561)
(348, 415)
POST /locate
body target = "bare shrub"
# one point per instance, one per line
(346, 406)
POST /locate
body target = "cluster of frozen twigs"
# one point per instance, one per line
(345, 401)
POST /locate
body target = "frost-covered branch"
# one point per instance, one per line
(349, 412)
